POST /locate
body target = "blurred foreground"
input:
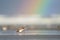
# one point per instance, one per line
(31, 32)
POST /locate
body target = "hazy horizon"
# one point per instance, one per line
(29, 11)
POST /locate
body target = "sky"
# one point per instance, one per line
(28, 8)
(13, 7)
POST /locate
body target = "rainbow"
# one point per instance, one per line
(39, 7)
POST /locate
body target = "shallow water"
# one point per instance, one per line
(30, 35)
